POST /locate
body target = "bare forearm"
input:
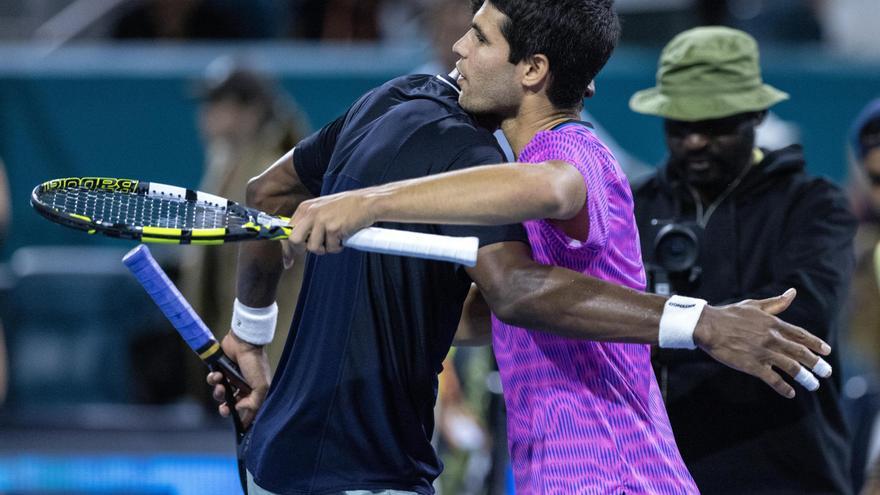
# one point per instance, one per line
(744, 336)
(569, 304)
(259, 268)
(277, 191)
(485, 195)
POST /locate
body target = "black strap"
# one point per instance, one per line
(572, 122)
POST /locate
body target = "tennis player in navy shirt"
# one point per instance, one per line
(351, 403)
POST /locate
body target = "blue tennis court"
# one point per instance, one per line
(158, 474)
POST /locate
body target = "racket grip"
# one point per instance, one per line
(220, 362)
(461, 250)
(172, 303)
(179, 312)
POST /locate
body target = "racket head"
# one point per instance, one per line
(151, 212)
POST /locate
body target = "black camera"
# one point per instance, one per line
(672, 263)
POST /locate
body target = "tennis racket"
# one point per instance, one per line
(193, 330)
(159, 213)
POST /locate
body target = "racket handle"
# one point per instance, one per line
(461, 250)
(179, 312)
(172, 303)
(220, 362)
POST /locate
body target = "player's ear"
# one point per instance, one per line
(536, 71)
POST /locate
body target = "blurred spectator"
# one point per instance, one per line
(342, 20)
(863, 387)
(359, 20)
(5, 216)
(245, 122)
(445, 22)
(463, 441)
(746, 222)
(865, 197)
(192, 19)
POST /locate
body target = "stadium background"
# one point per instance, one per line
(89, 105)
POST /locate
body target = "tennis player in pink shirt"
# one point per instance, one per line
(582, 416)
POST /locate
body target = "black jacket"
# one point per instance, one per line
(779, 228)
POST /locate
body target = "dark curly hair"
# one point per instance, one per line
(577, 36)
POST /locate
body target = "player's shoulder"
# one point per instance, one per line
(433, 110)
(423, 111)
(574, 144)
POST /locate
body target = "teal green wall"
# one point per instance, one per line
(119, 112)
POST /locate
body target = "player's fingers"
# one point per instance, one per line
(214, 378)
(246, 408)
(223, 409)
(796, 371)
(219, 393)
(334, 243)
(804, 356)
(245, 413)
(297, 216)
(300, 232)
(772, 378)
(286, 254)
(778, 304)
(807, 379)
(315, 244)
(803, 337)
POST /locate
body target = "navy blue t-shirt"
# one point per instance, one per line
(351, 404)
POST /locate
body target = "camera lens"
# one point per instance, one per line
(675, 248)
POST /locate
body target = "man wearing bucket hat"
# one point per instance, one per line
(756, 223)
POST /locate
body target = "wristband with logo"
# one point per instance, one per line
(679, 319)
(254, 325)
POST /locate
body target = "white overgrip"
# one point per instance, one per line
(416, 244)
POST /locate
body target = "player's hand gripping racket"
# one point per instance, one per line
(194, 332)
(152, 212)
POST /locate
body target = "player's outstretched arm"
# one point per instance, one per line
(484, 195)
(278, 191)
(745, 336)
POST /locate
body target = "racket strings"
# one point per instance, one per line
(137, 210)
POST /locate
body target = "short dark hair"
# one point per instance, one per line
(577, 36)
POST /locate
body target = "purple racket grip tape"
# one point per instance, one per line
(157, 284)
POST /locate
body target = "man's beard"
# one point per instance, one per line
(719, 174)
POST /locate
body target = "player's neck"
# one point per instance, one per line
(533, 117)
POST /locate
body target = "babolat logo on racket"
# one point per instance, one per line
(92, 184)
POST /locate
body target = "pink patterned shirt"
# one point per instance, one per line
(586, 417)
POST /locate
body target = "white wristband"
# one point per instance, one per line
(679, 319)
(254, 325)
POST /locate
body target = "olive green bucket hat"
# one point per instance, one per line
(707, 73)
